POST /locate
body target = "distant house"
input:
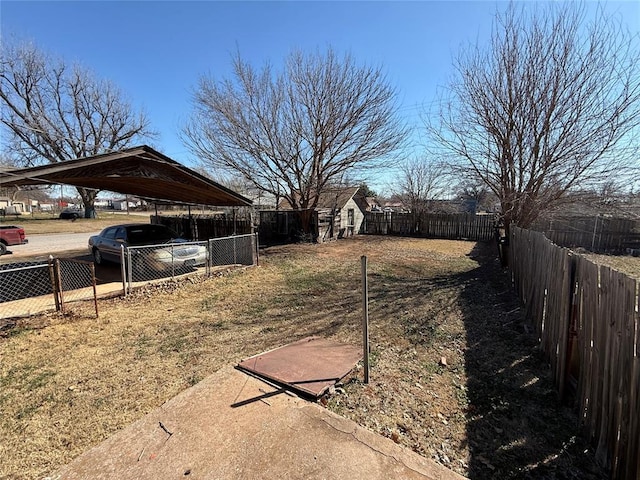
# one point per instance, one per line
(340, 213)
(372, 204)
(395, 205)
(20, 202)
(126, 203)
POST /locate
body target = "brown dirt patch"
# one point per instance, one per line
(490, 412)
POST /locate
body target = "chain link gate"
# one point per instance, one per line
(30, 288)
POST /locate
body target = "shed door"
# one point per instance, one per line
(350, 221)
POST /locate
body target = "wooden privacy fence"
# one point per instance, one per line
(286, 226)
(586, 317)
(204, 227)
(595, 233)
(455, 226)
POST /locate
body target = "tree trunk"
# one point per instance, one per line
(306, 217)
(88, 200)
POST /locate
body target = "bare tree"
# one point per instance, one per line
(420, 183)
(550, 106)
(293, 133)
(53, 112)
(478, 193)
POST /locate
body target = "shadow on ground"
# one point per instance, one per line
(516, 427)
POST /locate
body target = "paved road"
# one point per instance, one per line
(48, 244)
(41, 246)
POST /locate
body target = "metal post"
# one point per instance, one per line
(173, 263)
(595, 229)
(122, 271)
(54, 283)
(365, 317)
(235, 249)
(257, 240)
(92, 268)
(56, 267)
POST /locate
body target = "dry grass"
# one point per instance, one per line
(623, 263)
(488, 413)
(43, 224)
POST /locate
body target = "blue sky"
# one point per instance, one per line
(155, 51)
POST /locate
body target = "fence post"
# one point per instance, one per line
(257, 249)
(173, 263)
(54, 288)
(365, 317)
(129, 270)
(207, 264)
(122, 270)
(59, 282)
(92, 268)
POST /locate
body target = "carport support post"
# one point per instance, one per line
(365, 317)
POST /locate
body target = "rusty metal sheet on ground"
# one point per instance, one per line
(310, 365)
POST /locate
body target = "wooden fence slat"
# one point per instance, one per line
(448, 226)
(596, 233)
(625, 362)
(608, 320)
(552, 283)
(631, 440)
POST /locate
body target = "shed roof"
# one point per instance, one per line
(330, 198)
(140, 171)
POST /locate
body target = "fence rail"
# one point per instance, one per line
(431, 225)
(155, 262)
(586, 317)
(31, 288)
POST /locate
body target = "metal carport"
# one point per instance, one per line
(140, 171)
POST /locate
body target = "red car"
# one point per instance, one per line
(11, 235)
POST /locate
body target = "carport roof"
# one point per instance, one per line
(140, 171)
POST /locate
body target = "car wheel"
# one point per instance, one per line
(97, 256)
(3, 248)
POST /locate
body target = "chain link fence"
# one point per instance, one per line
(29, 288)
(157, 262)
(153, 262)
(77, 281)
(236, 250)
(26, 288)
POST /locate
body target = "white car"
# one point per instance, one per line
(163, 248)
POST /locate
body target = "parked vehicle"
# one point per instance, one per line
(165, 250)
(71, 213)
(11, 235)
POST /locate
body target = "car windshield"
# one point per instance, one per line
(145, 234)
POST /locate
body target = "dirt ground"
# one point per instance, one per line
(455, 373)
